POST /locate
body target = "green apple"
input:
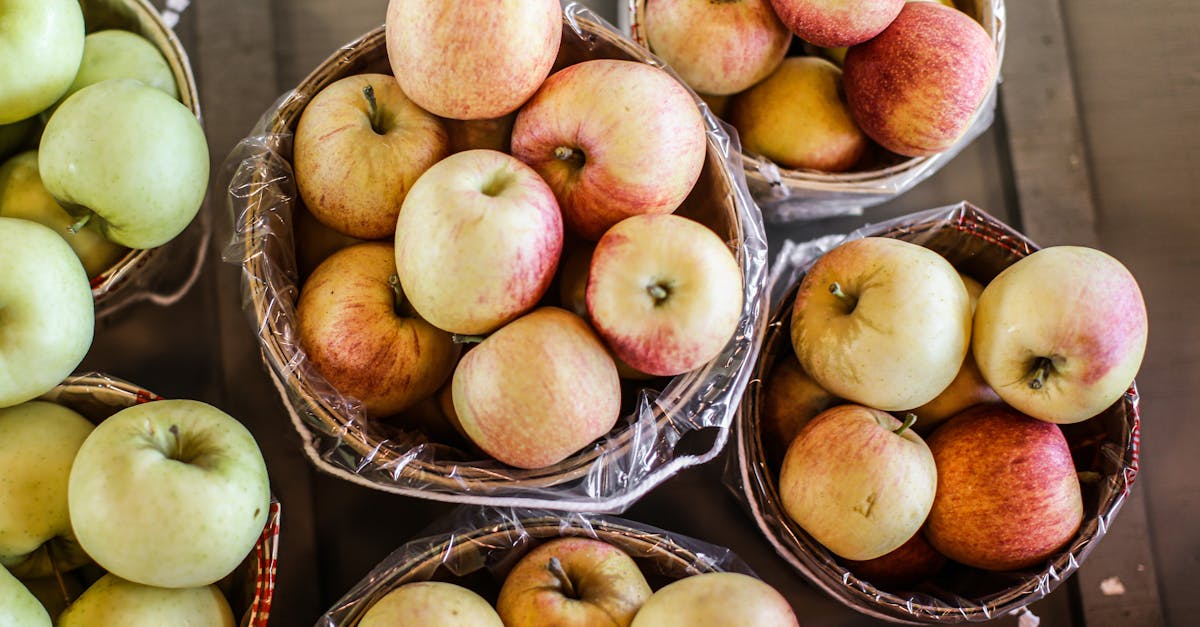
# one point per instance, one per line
(18, 606)
(716, 600)
(114, 601)
(431, 603)
(46, 310)
(22, 195)
(129, 157)
(38, 442)
(170, 493)
(41, 44)
(122, 54)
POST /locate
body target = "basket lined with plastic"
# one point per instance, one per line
(394, 455)
(1104, 449)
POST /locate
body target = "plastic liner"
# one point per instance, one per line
(251, 586)
(477, 547)
(794, 195)
(1107, 445)
(606, 476)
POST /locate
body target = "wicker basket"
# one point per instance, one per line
(251, 586)
(788, 195)
(606, 476)
(979, 246)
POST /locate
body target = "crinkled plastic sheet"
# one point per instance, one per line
(477, 547)
(608, 475)
(794, 195)
(979, 246)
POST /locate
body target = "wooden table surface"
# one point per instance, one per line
(1096, 142)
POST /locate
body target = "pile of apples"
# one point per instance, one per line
(884, 333)
(908, 76)
(584, 581)
(129, 522)
(497, 177)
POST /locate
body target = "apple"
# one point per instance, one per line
(1008, 496)
(664, 292)
(48, 315)
(476, 63)
(882, 322)
(18, 606)
(170, 493)
(477, 241)
(356, 329)
(430, 603)
(359, 147)
(314, 241)
(116, 53)
(974, 287)
(638, 149)
(716, 600)
(968, 388)
(833, 23)
(40, 49)
(22, 195)
(573, 581)
(491, 134)
(858, 481)
(537, 390)
(1061, 333)
(790, 398)
(129, 157)
(798, 118)
(718, 48)
(38, 442)
(115, 601)
(910, 564)
(915, 87)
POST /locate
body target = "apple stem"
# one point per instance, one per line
(80, 223)
(398, 292)
(570, 155)
(62, 584)
(372, 108)
(658, 292)
(1040, 372)
(835, 288)
(459, 338)
(909, 420)
(556, 567)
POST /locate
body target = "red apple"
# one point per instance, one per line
(472, 61)
(355, 330)
(834, 23)
(360, 145)
(915, 561)
(717, 47)
(636, 149)
(790, 399)
(915, 88)
(1007, 495)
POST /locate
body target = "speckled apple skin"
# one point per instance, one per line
(537, 390)
(476, 61)
(716, 600)
(1008, 496)
(423, 603)
(640, 133)
(915, 87)
(718, 47)
(837, 23)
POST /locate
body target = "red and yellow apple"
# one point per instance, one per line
(832, 23)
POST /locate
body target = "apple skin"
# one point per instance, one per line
(915, 87)
(38, 442)
(967, 389)
(40, 51)
(900, 336)
(637, 150)
(855, 485)
(790, 399)
(132, 157)
(664, 292)
(1077, 310)
(355, 164)
(834, 23)
(718, 48)
(170, 493)
(798, 118)
(431, 603)
(18, 606)
(472, 64)
(49, 316)
(114, 601)
(910, 564)
(537, 390)
(122, 54)
(716, 600)
(22, 195)
(1008, 496)
(366, 345)
(456, 272)
(605, 587)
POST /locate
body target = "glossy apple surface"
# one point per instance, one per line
(431, 603)
(114, 601)
(716, 600)
(41, 44)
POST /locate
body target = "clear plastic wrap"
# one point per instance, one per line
(251, 586)
(477, 547)
(979, 246)
(794, 195)
(608, 475)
